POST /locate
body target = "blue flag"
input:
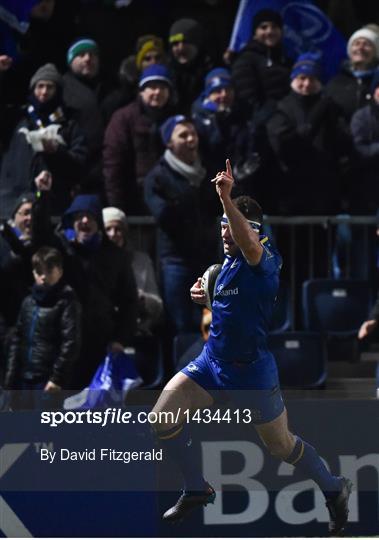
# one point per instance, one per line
(306, 28)
(14, 18)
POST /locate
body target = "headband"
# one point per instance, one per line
(255, 225)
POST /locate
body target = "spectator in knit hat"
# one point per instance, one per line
(180, 197)
(84, 90)
(43, 140)
(150, 303)
(103, 279)
(365, 133)
(306, 134)
(188, 61)
(261, 70)
(149, 51)
(219, 123)
(132, 143)
(350, 89)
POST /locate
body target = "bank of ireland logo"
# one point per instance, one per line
(314, 26)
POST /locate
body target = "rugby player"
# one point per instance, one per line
(236, 358)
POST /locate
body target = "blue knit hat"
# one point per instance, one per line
(307, 64)
(216, 79)
(81, 46)
(83, 203)
(155, 72)
(169, 125)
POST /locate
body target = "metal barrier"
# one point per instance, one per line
(307, 244)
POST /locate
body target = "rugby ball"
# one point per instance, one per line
(208, 283)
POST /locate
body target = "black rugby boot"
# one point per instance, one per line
(339, 509)
(188, 502)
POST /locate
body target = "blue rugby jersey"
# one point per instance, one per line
(242, 307)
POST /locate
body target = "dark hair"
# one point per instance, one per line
(249, 208)
(46, 258)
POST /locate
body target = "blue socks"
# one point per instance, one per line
(185, 452)
(305, 457)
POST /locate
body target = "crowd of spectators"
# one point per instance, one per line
(79, 155)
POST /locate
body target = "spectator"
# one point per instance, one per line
(365, 133)
(84, 91)
(149, 51)
(188, 61)
(260, 74)
(180, 197)
(132, 143)
(261, 70)
(218, 122)
(42, 138)
(20, 236)
(350, 89)
(306, 137)
(46, 342)
(150, 305)
(103, 279)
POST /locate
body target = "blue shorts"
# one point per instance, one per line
(253, 386)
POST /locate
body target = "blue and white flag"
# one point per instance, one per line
(306, 28)
(14, 18)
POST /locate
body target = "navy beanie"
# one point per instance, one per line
(169, 125)
(267, 15)
(83, 203)
(186, 30)
(216, 79)
(307, 64)
(154, 73)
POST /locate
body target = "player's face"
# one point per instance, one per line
(268, 33)
(229, 245)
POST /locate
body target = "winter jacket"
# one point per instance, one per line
(304, 133)
(132, 145)
(46, 341)
(185, 215)
(349, 92)
(261, 76)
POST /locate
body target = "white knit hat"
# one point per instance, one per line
(111, 213)
(368, 34)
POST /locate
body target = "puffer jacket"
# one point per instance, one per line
(46, 340)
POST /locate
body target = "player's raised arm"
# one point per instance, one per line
(241, 229)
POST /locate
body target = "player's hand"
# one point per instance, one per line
(197, 292)
(52, 388)
(366, 328)
(224, 182)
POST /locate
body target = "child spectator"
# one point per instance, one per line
(46, 342)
